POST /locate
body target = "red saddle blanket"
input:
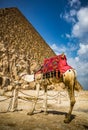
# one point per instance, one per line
(56, 63)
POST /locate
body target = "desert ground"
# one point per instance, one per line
(58, 106)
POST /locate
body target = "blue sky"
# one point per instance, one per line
(63, 24)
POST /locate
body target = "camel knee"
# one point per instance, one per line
(73, 101)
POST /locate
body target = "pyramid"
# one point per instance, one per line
(20, 43)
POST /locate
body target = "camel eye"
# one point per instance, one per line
(69, 70)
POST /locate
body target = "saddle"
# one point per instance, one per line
(55, 66)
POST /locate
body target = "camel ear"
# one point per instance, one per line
(62, 55)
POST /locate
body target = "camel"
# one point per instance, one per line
(68, 77)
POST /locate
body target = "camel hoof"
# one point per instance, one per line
(67, 119)
(30, 113)
(45, 113)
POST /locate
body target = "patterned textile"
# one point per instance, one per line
(56, 63)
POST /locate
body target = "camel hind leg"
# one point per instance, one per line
(69, 80)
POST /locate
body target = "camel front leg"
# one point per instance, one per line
(45, 100)
(72, 101)
(35, 102)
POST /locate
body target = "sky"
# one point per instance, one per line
(63, 24)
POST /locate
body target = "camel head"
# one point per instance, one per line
(34, 66)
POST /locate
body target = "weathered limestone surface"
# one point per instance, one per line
(20, 44)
